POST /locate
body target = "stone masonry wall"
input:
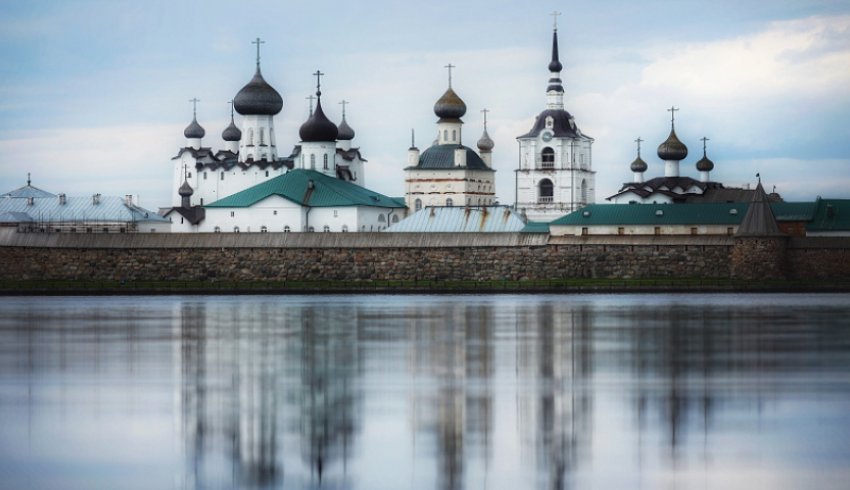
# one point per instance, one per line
(459, 263)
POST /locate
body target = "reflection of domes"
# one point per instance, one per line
(344, 131)
(672, 148)
(318, 127)
(639, 165)
(231, 133)
(258, 98)
(485, 143)
(185, 190)
(449, 106)
(194, 130)
(705, 165)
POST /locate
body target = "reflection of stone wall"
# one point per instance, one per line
(365, 256)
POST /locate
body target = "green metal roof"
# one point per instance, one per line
(295, 185)
(679, 214)
(830, 215)
(535, 227)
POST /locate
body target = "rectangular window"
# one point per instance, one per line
(222, 176)
(335, 213)
(657, 230)
(205, 176)
(584, 231)
(729, 231)
(693, 230)
(274, 212)
(233, 214)
(621, 231)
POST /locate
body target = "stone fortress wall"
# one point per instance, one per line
(407, 257)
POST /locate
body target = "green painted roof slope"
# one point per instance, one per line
(294, 186)
(535, 227)
(831, 215)
(679, 214)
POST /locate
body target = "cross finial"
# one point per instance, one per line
(672, 110)
(555, 15)
(231, 108)
(194, 102)
(319, 75)
(412, 139)
(343, 103)
(258, 42)
(638, 141)
(485, 111)
(758, 176)
(450, 66)
(185, 172)
(704, 139)
(28, 179)
(310, 98)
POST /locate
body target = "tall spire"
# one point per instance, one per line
(555, 88)
(555, 65)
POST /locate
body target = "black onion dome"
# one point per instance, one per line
(258, 98)
(555, 65)
(231, 133)
(672, 148)
(318, 127)
(485, 143)
(705, 165)
(449, 106)
(344, 131)
(194, 130)
(185, 190)
(639, 165)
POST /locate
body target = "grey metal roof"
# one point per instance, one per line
(443, 157)
(345, 131)
(759, 220)
(258, 97)
(27, 191)
(449, 106)
(231, 132)
(486, 219)
(318, 127)
(194, 130)
(563, 125)
(109, 209)
(672, 149)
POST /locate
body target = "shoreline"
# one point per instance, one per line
(565, 286)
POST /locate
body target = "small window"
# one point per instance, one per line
(267, 173)
(235, 229)
(336, 213)
(189, 175)
(274, 213)
(233, 214)
(693, 230)
(313, 162)
(222, 176)
(344, 228)
(326, 228)
(549, 121)
(250, 136)
(311, 229)
(584, 231)
(449, 202)
(395, 218)
(446, 134)
(325, 161)
(264, 229)
(454, 135)
(286, 229)
(657, 230)
(417, 204)
(262, 137)
(621, 231)
(217, 229)
(202, 201)
(381, 218)
(205, 176)
(181, 220)
(730, 231)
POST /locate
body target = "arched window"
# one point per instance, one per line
(547, 158)
(395, 218)
(326, 161)
(449, 202)
(262, 137)
(454, 135)
(417, 204)
(344, 228)
(549, 121)
(583, 191)
(381, 218)
(545, 191)
(446, 135)
(264, 229)
(217, 229)
(326, 228)
(222, 176)
(286, 229)
(313, 162)
(250, 136)
(235, 229)
(311, 229)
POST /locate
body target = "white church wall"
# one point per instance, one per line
(274, 213)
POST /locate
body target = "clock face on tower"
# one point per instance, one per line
(547, 136)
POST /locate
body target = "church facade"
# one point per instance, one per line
(449, 173)
(555, 174)
(250, 176)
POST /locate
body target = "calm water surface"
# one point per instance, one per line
(426, 392)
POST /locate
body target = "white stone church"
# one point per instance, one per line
(248, 187)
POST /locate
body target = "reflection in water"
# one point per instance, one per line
(552, 392)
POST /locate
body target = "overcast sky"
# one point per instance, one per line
(94, 94)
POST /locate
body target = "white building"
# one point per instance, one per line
(250, 158)
(555, 174)
(449, 173)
